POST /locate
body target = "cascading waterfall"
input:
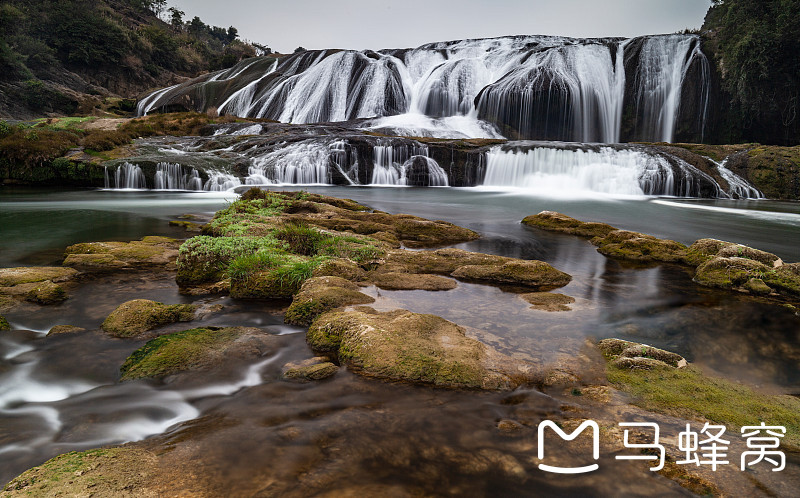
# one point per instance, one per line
(737, 186)
(541, 87)
(300, 163)
(171, 176)
(126, 176)
(395, 165)
(663, 63)
(603, 170)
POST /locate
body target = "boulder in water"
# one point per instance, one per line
(133, 318)
(321, 294)
(412, 281)
(548, 301)
(557, 222)
(406, 346)
(150, 252)
(640, 247)
(316, 368)
(526, 273)
(64, 329)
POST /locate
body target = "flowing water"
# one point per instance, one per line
(62, 393)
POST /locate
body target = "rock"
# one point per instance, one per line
(44, 292)
(548, 301)
(419, 232)
(340, 267)
(638, 363)
(509, 427)
(636, 246)
(10, 277)
(263, 285)
(4, 325)
(317, 368)
(401, 345)
(442, 261)
(727, 273)
(64, 329)
(135, 317)
(557, 222)
(757, 286)
(321, 294)
(627, 354)
(410, 281)
(149, 252)
(710, 248)
(535, 274)
(197, 350)
(189, 226)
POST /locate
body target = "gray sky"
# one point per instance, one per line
(376, 24)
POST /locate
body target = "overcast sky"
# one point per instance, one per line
(376, 24)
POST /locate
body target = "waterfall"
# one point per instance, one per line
(127, 176)
(604, 170)
(738, 187)
(171, 176)
(406, 165)
(663, 63)
(219, 181)
(299, 163)
(530, 87)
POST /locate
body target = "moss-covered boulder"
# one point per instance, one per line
(45, 292)
(317, 368)
(149, 252)
(419, 232)
(533, 274)
(123, 472)
(637, 246)
(133, 318)
(64, 329)
(710, 248)
(412, 281)
(627, 354)
(205, 259)
(197, 350)
(548, 301)
(728, 273)
(340, 267)
(321, 294)
(10, 277)
(406, 346)
(557, 222)
(441, 261)
(4, 325)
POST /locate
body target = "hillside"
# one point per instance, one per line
(97, 56)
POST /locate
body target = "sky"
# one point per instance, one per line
(285, 25)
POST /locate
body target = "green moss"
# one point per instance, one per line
(271, 275)
(557, 222)
(4, 325)
(22, 275)
(321, 294)
(206, 259)
(687, 393)
(46, 293)
(640, 247)
(176, 352)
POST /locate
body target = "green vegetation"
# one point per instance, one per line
(4, 325)
(686, 392)
(140, 315)
(758, 44)
(176, 352)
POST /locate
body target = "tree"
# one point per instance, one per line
(233, 34)
(176, 17)
(299, 49)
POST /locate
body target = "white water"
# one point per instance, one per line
(521, 81)
(392, 165)
(737, 186)
(554, 171)
(171, 176)
(126, 176)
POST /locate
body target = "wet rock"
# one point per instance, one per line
(4, 325)
(401, 345)
(410, 281)
(149, 252)
(135, 317)
(441, 261)
(340, 267)
(45, 292)
(321, 294)
(548, 301)
(509, 427)
(757, 286)
(10, 277)
(418, 232)
(636, 246)
(627, 354)
(189, 226)
(197, 350)
(709, 248)
(535, 274)
(317, 368)
(727, 273)
(557, 222)
(64, 329)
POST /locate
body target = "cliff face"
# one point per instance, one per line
(87, 56)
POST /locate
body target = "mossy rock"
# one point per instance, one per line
(418, 232)
(263, 285)
(10, 277)
(321, 294)
(110, 256)
(712, 247)
(121, 472)
(784, 279)
(406, 346)
(636, 246)
(757, 286)
(441, 261)
(205, 259)
(195, 350)
(557, 222)
(548, 301)
(135, 317)
(527, 273)
(727, 273)
(45, 293)
(627, 354)
(4, 325)
(310, 370)
(189, 226)
(340, 267)
(412, 281)
(64, 329)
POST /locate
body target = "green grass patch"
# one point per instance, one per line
(687, 393)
